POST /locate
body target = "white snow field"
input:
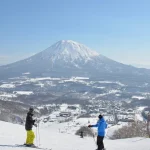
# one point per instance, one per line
(54, 135)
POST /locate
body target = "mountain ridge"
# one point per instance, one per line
(69, 58)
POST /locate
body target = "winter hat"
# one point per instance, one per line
(31, 109)
(100, 116)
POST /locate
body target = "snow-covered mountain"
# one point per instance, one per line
(68, 51)
(69, 58)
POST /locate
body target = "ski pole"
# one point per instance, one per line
(94, 137)
(39, 135)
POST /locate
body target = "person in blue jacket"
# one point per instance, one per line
(102, 125)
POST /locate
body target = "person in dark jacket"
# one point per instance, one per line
(28, 126)
(102, 125)
(81, 134)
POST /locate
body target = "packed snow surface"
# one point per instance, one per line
(52, 137)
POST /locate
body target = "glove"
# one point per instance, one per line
(89, 126)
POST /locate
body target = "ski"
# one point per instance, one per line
(36, 147)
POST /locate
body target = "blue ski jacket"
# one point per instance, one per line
(102, 125)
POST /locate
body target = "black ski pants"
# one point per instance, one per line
(100, 143)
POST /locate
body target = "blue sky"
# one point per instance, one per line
(118, 29)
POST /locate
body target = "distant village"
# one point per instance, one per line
(112, 113)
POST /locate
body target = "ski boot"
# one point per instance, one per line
(30, 145)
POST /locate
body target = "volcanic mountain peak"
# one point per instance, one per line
(69, 49)
(68, 58)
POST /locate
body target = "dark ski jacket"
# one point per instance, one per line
(29, 121)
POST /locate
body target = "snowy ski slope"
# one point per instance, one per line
(56, 136)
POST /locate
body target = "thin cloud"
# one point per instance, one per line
(7, 59)
(4, 57)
